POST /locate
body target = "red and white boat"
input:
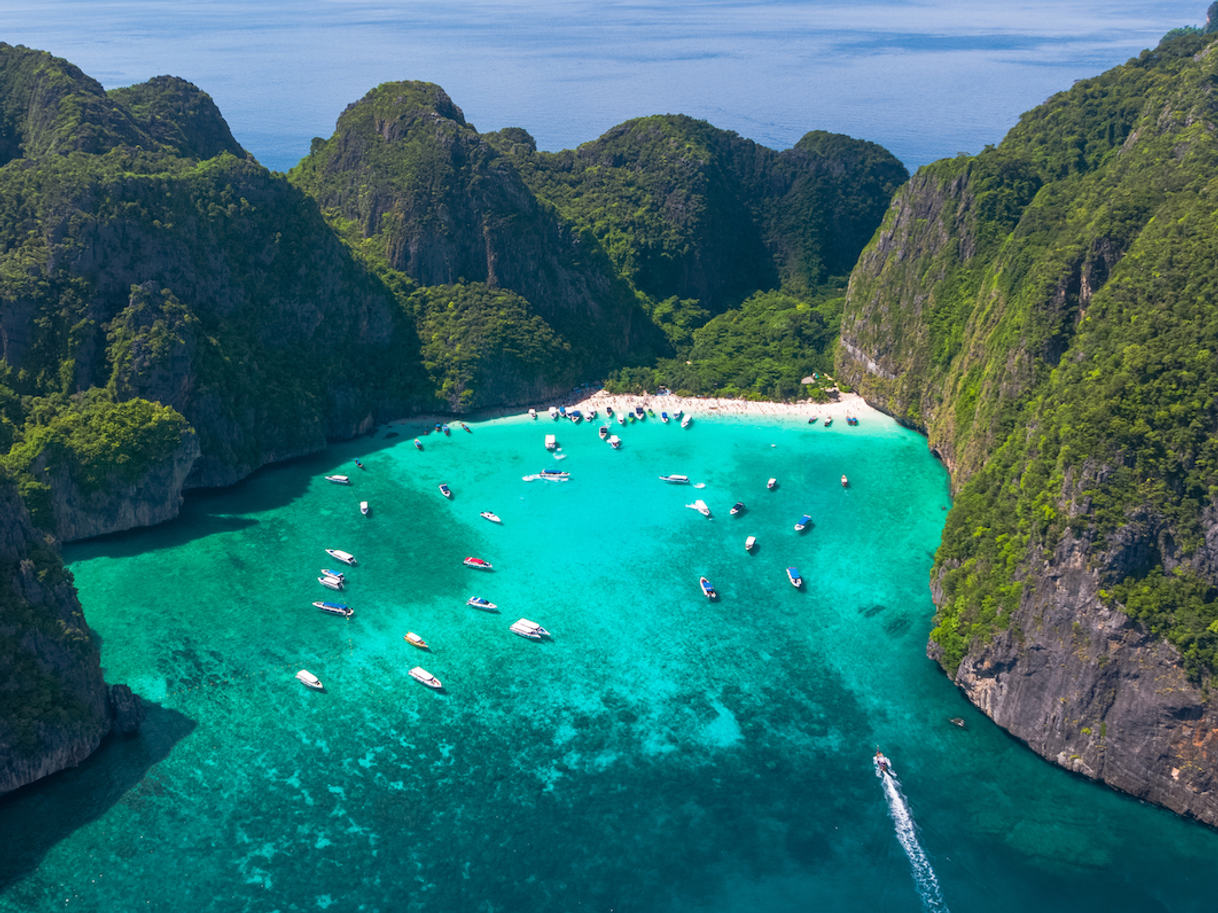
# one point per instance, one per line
(478, 563)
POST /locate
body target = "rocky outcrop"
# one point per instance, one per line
(54, 707)
(1091, 690)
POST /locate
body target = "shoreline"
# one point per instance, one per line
(847, 404)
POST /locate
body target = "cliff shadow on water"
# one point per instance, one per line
(51, 809)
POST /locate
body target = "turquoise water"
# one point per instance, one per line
(660, 753)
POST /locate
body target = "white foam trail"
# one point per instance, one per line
(907, 836)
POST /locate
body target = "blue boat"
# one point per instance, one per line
(804, 522)
(329, 573)
(479, 603)
(793, 575)
(707, 589)
(664, 417)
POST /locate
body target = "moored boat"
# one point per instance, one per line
(326, 572)
(603, 431)
(621, 418)
(419, 674)
(478, 563)
(532, 413)
(676, 479)
(737, 508)
(707, 589)
(793, 575)
(554, 412)
(828, 420)
(609, 411)
(363, 508)
(418, 444)
(493, 517)
(534, 626)
(415, 640)
(749, 543)
(802, 523)
(686, 421)
(339, 480)
(465, 427)
(447, 431)
(551, 442)
(339, 555)
(309, 680)
(525, 629)
(700, 506)
(615, 442)
(554, 474)
(479, 603)
(330, 583)
(664, 417)
(446, 491)
(772, 484)
(575, 416)
(592, 415)
(845, 481)
(335, 608)
(639, 413)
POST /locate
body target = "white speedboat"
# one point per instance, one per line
(339, 555)
(803, 523)
(686, 421)
(532, 413)
(339, 480)
(621, 418)
(524, 630)
(793, 575)
(335, 608)
(700, 506)
(363, 508)
(603, 431)
(845, 481)
(478, 563)
(415, 640)
(525, 624)
(554, 412)
(615, 442)
(327, 572)
(309, 680)
(493, 517)
(330, 583)
(772, 484)
(446, 491)
(708, 589)
(419, 674)
(676, 479)
(479, 603)
(551, 442)
(737, 508)
(749, 543)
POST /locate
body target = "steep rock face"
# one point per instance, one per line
(54, 707)
(443, 206)
(1044, 312)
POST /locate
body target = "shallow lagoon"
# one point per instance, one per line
(660, 753)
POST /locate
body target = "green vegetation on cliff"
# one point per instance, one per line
(1061, 357)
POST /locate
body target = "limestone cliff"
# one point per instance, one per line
(1045, 312)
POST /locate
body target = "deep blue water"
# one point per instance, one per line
(926, 80)
(660, 753)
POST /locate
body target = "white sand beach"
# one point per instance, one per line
(708, 407)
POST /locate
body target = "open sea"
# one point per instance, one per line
(659, 753)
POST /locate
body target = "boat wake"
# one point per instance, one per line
(907, 836)
(700, 485)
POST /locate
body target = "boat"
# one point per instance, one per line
(615, 442)
(326, 572)
(650, 412)
(677, 415)
(630, 417)
(524, 630)
(749, 543)
(592, 416)
(551, 442)
(883, 767)
(687, 421)
(676, 479)
(533, 626)
(330, 583)
(700, 506)
(772, 484)
(335, 608)
(562, 411)
(793, 575)
(339, 480)
(419, 674)
(478, 563)
(603, 431)
(363, 508)
(479, 603)
(737, 508)
(359, 465)
(467, 428)
(609, 411)
(802, 523)
(621, 419)
(447, 431)
(415, 640)
(339, 555)
(828, 420)
(554, 474)
(845, 481)
(664, 417)
(708, 589)
(852, 420)
(554, 412)
(438, 426)
(493, 517)
(418, 443)
(532, 413)
(575, 416)
(309, 680)
(446, 491)
(639, 413)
